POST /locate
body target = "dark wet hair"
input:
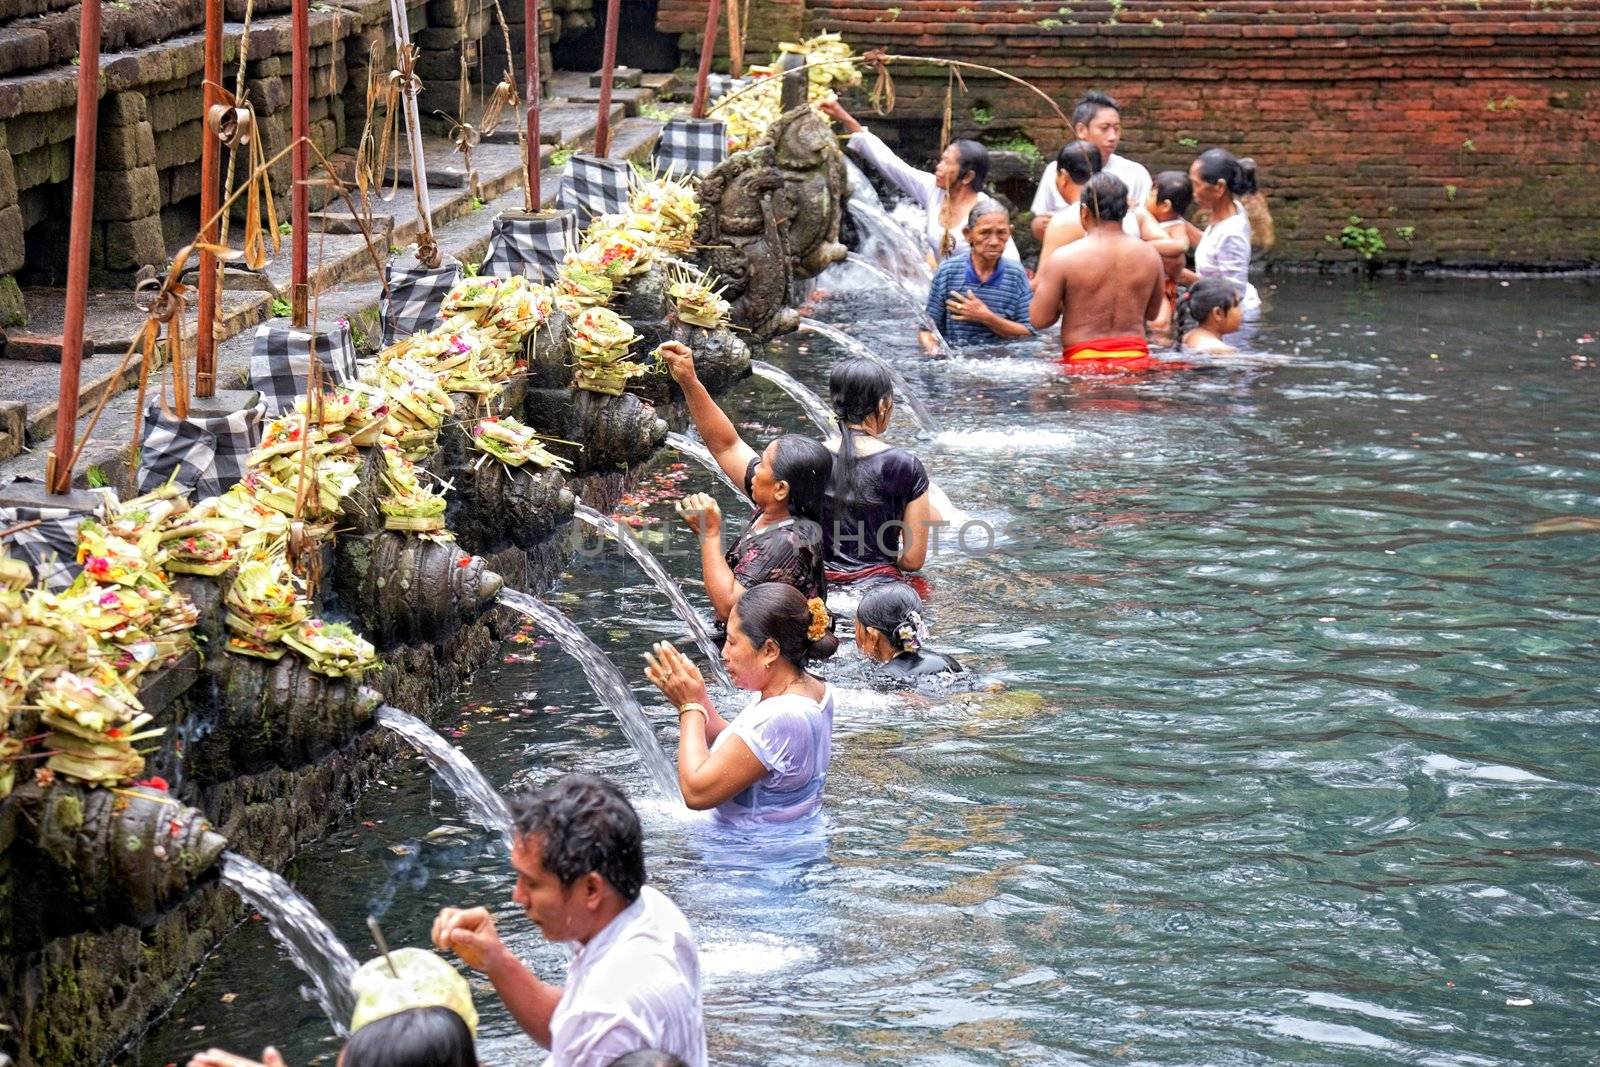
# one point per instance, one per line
(1090, 105)
(894, 610)
(647, 1057)
(974, 161)
(780, 613)
(1080, 161)
(584, 824)
(416, 1037)
(806, 464)
(986, 205)
(856, 386)
(1106, 197)
(1221, 165)
(1174, 187)
(1197, 302)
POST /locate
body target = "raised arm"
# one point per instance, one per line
(706, 778)
(917, 184)
(470, 933)
(701, 513)
(732, 454)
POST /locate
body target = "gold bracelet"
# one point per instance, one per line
(693, 705)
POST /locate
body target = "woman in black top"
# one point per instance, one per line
(784, 541)
(890, 631)
(877, 511)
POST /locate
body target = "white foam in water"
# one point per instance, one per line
(1484, 772)
(750, 953)
(1033, 441)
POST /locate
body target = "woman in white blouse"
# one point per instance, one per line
(1220, 179)
(946, 196)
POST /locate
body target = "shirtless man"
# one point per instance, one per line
(1103, 287)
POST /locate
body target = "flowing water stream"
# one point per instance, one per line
(813, 405)
(698, 630)
(608, 685)
(1297, 761)
(481, 801)
(925, 420)
(698, 452)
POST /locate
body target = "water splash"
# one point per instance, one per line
(913, 300)
(606, 681)
(480, 800)
(698, 452)
(925, 420)
(884, 241)
(303, 933)
(663, 581)
(810, 402)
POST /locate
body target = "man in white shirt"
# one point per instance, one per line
(1096, 119)
(634, 979)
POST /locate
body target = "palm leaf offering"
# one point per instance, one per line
(406, 503)
(514, 444)
(600, 342)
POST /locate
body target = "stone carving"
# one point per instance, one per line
(741, 238)
(111, 857)
(815, 187)
(411, 589)
(616, 431)
(500, 505)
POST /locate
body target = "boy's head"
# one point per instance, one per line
(1170, 195)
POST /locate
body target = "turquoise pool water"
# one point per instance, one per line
(1298, 761)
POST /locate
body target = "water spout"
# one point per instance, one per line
(303, 933)
(810, 402)
(608, 685)
(670, 589)
(916, 302)
(925, 420)
(883, 240)
(698, 452)
(481, 801)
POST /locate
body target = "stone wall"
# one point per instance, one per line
(1475, 123)
(148, 153)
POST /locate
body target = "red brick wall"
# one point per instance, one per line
(1476, 122)
(769, 23)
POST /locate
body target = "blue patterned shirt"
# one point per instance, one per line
(1006, 293)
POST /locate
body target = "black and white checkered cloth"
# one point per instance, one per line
(720, 85)
(691, 146)
(50, 548)
(207, 454)
(415, 296)
(594, 186)
(530, 245)
(280, 362)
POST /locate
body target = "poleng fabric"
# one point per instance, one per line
(530, 245)
(416, 293)
(207, 455)
(280, 362)
(49, 548)
(691, 146)
(594, 186)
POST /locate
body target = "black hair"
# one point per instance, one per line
(1174, 187)
(1090, 105)
(417, 1037)
(647, 1057)
(1080, 161)
(807, 465)
(1106, 197)
(856, 386)
(1221, 165)
(1197, 302)
(895, 610)
(781, 614)
(584, 824)
(974, 160)
(986, 205)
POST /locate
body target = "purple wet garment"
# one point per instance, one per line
(869, 532)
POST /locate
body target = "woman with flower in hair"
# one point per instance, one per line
(890, 630)
(766, 766)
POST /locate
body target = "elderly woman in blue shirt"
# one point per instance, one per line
(977, 295)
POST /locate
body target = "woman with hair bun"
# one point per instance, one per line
(769, 764)
(1221, 183)
(890, 631)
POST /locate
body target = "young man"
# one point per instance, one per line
(1096, 119)
(634, 980)
(1104, 287)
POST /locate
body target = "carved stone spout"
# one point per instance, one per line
(499, 505)
(816, 184)
(409, 589)
(742, 239)
(615, 431)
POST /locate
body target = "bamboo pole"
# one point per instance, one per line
(708, 45)
(205, 354)
(530, 43)
(427, 251)
(58, 474)
(602, 126)
(300, 165)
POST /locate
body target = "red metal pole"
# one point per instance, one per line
(58, 465)
(205, 354)
(708, 44)
(602, 126)
(300, 205)
(530, 45)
